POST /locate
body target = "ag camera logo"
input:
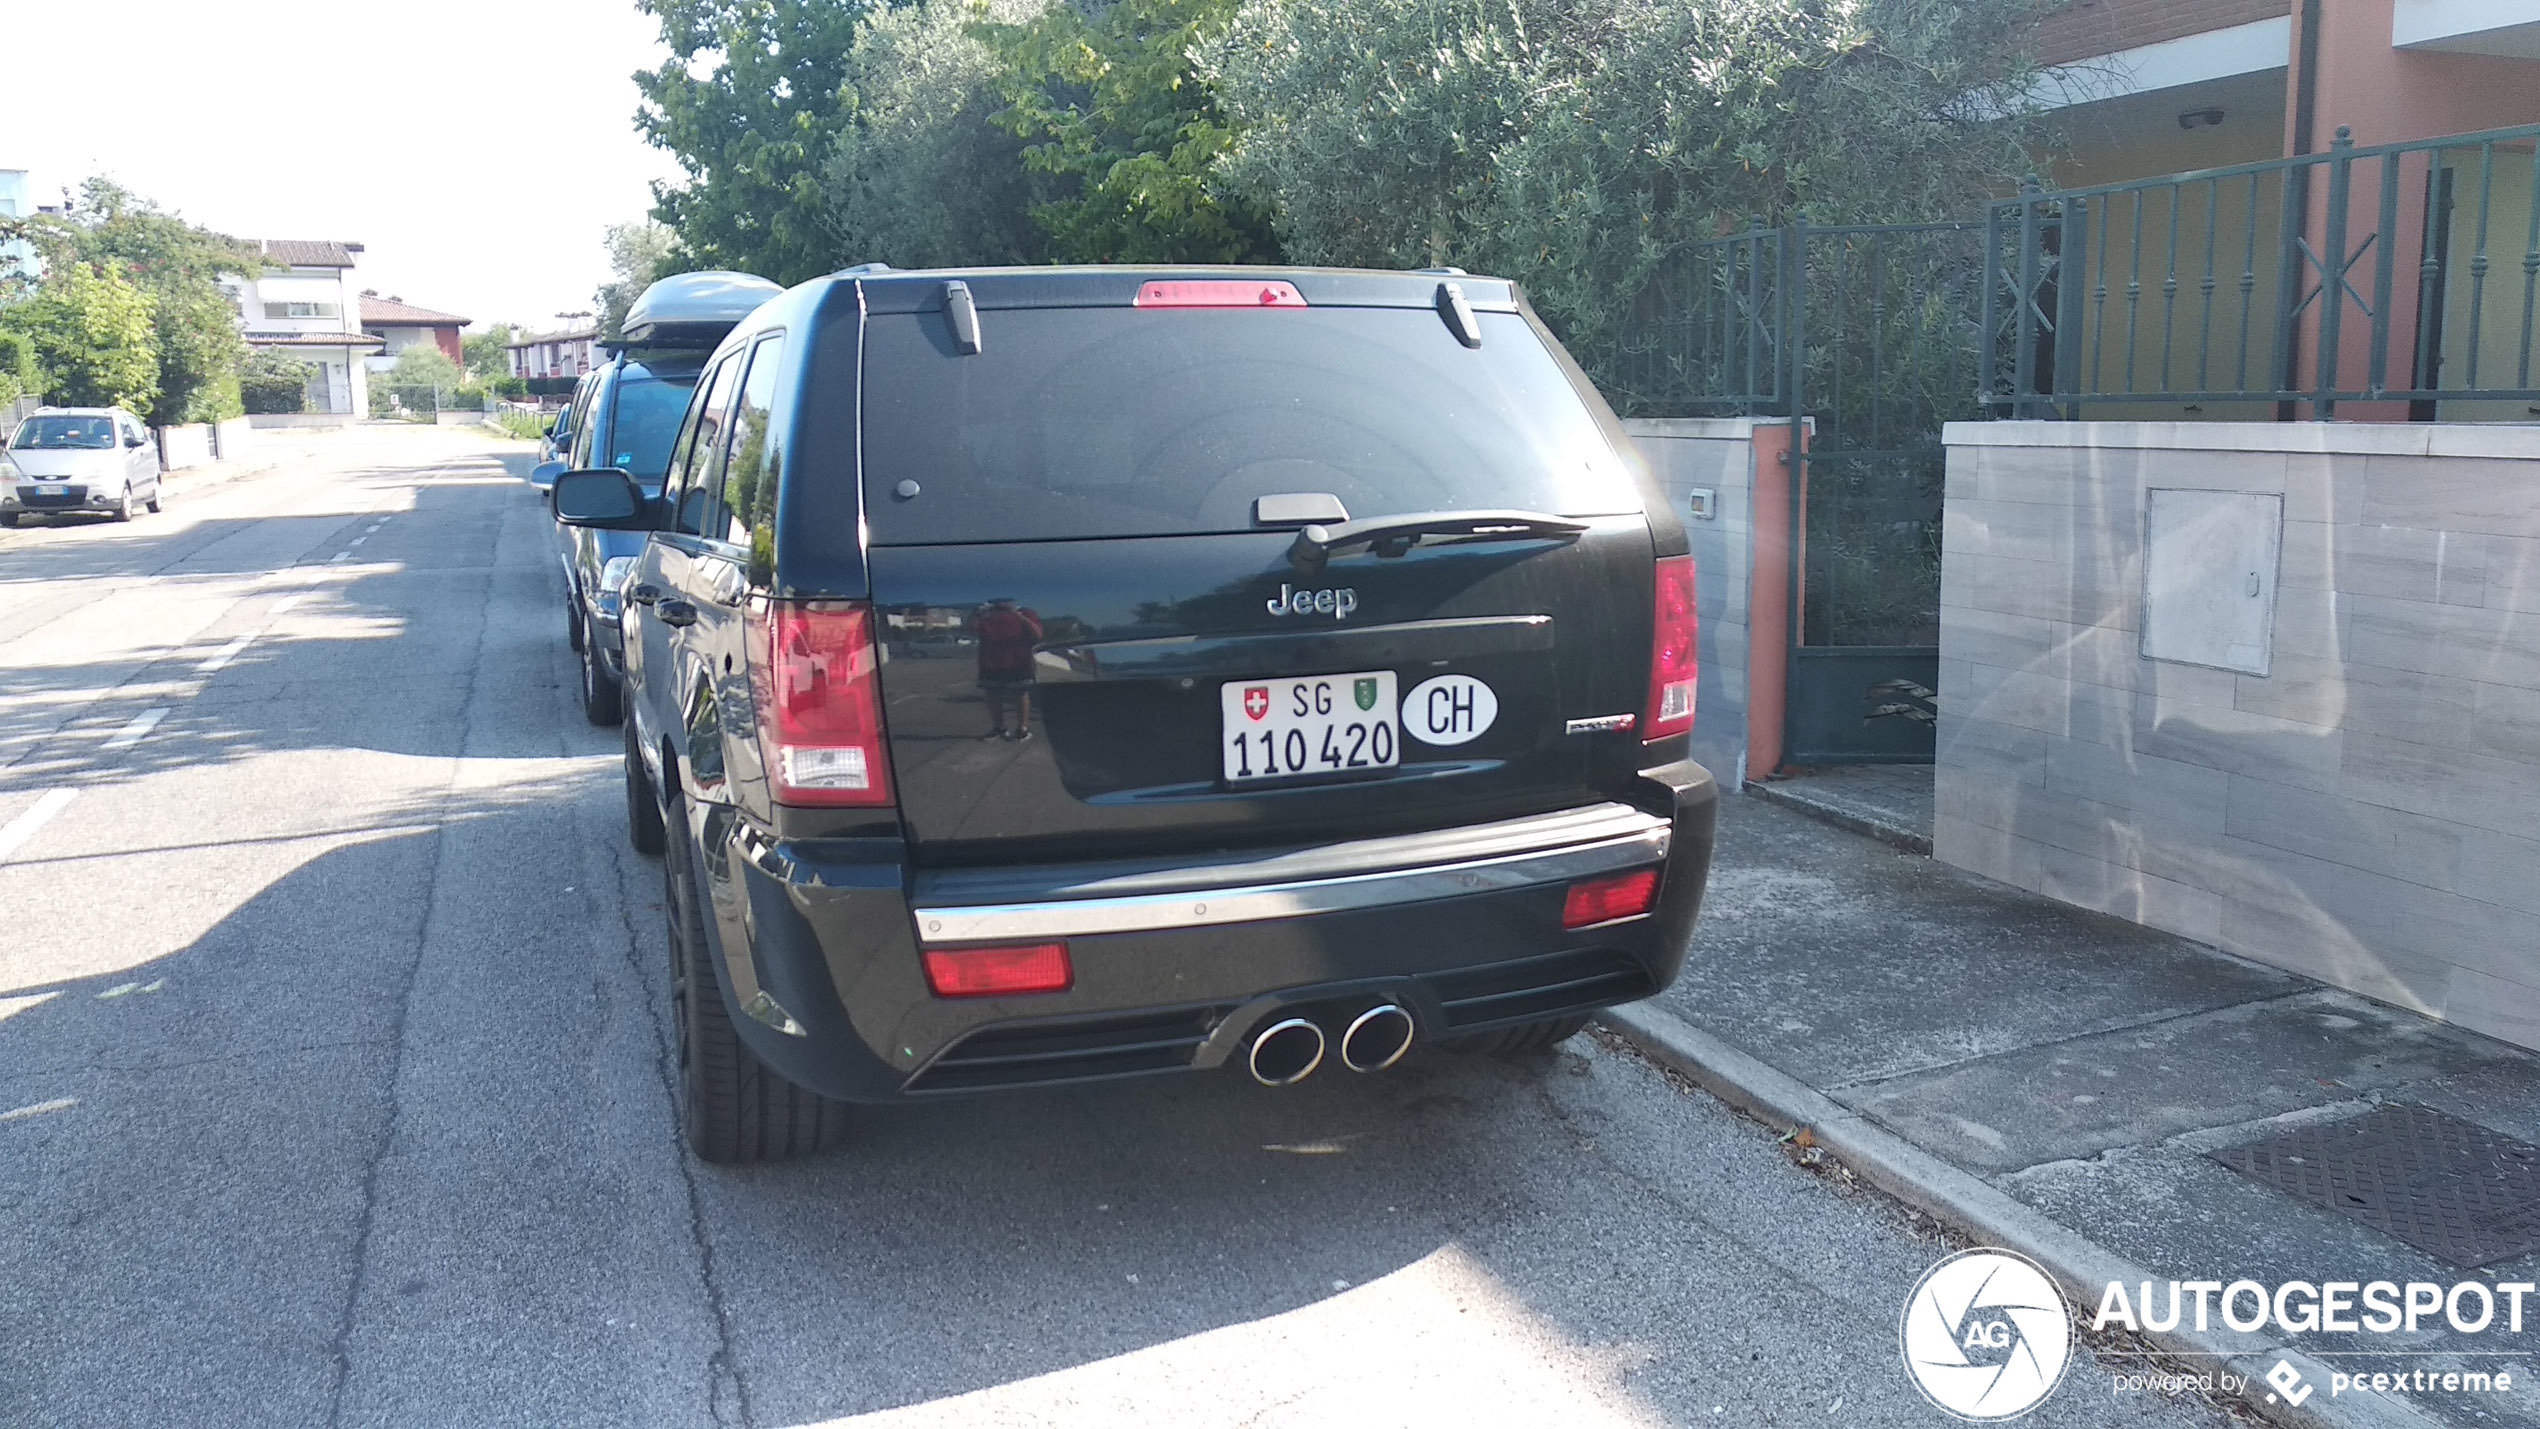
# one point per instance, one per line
(1986, 1335)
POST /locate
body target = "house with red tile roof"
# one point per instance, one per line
(401, 325)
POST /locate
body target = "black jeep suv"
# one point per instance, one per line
(1043, 675)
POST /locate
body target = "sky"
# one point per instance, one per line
(478, 148)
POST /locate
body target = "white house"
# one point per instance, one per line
(305, 305)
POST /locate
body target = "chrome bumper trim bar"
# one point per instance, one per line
(1245, 903)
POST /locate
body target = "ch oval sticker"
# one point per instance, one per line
(1448, 709)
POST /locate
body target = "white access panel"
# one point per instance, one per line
(2209, 572)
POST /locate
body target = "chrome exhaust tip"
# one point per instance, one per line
(1286, 1053)
(1376, 1038)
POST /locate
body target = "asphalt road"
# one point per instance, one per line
(332, 1086)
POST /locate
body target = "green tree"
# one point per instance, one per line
(273, 381)
(423, 365)
(486, 351)
(17, 366)
(92, 336)
(639, 255)
(920, 174)
(1114, 100)
(747, 105)
(1575, 145)
(180, 265)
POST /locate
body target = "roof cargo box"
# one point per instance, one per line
(695, 309)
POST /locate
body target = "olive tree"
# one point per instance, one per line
(920, 174)
(1574, 144)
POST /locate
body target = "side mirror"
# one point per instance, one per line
(545, 473)
(604, 498)
(554, 423)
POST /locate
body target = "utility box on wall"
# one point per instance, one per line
(2209, 575)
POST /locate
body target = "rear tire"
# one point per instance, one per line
(732, 1109)
(603, 699)
(643, 807)
(1522, 1039)
(8, 520)
(157, 495)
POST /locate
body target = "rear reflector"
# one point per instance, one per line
(1602, 900)
(813, 674)
(998, 972)
(1219, 293)
(1673, 629)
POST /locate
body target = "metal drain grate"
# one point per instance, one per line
(2451, 1188)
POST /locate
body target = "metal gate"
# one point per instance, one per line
(1866, 339)
(1885, 350)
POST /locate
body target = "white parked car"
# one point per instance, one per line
(80, 459)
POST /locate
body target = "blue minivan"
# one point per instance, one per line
(624, 416)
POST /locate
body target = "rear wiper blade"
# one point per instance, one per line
(1393, 535)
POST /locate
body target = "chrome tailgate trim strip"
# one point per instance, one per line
(1245, 903)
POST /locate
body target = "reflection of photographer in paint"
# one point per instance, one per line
(1007, 634)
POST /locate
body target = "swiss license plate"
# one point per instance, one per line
(52, 491)
(1322, 724)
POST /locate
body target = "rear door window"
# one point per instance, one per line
(1081, 422)
(750, 476)
(700, 451)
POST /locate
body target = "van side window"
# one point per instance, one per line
(700, 496)
(750, 475)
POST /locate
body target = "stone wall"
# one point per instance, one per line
(183, 447)
(2353, 796)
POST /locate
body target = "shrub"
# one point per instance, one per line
(270, 381)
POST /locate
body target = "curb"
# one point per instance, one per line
(1962, 1199)
(1789, 797)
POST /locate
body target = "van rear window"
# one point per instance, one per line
(1085, 422)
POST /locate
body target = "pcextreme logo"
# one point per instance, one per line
(1986, 1335)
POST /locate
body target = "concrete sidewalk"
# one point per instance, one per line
(2053, 1080)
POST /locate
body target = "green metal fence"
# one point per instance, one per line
(2401, 274)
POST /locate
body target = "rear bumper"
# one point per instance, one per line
(1176, 967)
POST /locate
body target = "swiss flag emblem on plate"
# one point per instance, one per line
(1256, 700)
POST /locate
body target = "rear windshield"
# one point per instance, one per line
(646, 418)
(1076, 422)
(65, 434)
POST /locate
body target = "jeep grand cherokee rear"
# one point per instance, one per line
(1048, 675)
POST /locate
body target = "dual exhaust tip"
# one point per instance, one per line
(1287, 1051)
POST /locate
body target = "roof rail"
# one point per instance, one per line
(861, 269)
(1443, 272)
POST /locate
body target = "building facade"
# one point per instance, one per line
(17, 200)
(569, 353)
(304, 305)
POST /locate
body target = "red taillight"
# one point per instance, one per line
(1218, 293)
(998, 972)
(1602, 900)
(813, 673)
(1671, 651)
